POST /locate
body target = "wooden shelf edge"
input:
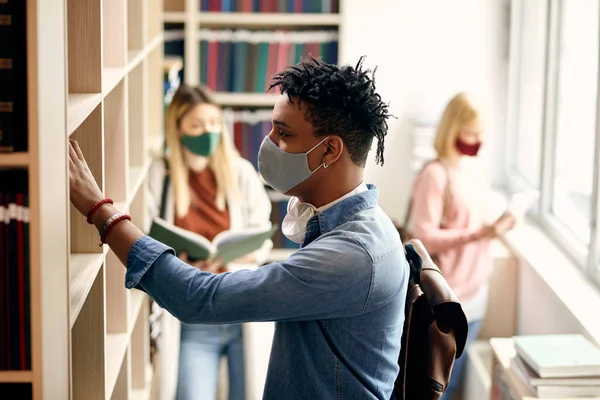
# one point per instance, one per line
(246, 99)
(140, 394)
(83, 270)
(116, 347)
(258, 19)
(137, 174)
(137, 300)
(79, 108)
(135, 57)
(140, 172)
(16, 376)
(111, 77)
(154, 43)
(174, 16)
(16, 159)
(144, 394)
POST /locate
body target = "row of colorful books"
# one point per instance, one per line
(13, 76)
(271, 6)
(248, 135)
(245, 61)
(15, 337)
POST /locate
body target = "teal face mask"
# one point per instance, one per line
(203, 145)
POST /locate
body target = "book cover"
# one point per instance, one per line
(228, 245)
(556, 356)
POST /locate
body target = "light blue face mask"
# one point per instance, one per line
(282, 170)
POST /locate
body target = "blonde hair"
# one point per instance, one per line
(459, 112)
(221, 161)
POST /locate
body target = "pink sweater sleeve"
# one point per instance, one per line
(427, 209)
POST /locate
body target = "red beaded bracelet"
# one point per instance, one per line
(108, 225)
(96, 207)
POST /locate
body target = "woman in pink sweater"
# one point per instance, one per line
(450, 214)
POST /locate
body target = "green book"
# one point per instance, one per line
(227, 246)
(559, 356)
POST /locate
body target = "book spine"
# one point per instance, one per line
(13, 76)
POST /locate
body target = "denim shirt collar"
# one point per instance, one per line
(340, 213)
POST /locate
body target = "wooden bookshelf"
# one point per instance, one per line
(15, 376)
(186, 12)
(256, 20)
(19, 159)
(246, 99)
(89, 334)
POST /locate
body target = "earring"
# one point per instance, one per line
(325, 165)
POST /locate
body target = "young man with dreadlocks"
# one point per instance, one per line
(338, 301)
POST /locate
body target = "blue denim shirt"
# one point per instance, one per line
(337, 302)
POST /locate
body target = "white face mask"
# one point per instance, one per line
(294, 223)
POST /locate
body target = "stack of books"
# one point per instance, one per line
(557, 366)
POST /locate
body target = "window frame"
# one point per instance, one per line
(587, 257)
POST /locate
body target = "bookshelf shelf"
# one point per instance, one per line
(136, 301)
(15, 376)
(255, 20)
(84, 269)
(79, 107)
(140, 394)
(174, 16)
(265, 20)
(18, 159)
(246, 99)
(116, 347)
(136, 177)
(134, 58)
(111, 77)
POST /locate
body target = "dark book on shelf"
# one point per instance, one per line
(13, 76)
(16, 391)
(15, 321)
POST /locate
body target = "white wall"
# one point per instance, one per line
(539, 309)
(426, 51)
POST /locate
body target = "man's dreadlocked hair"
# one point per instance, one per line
(340, 101)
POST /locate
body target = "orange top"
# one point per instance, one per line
(203, 217)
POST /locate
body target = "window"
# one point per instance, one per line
(553, 117)
(575, 126)
(530, 52)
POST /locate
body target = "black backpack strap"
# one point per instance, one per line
(415, 263)
(165, 190)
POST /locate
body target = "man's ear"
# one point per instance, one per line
(333, 151)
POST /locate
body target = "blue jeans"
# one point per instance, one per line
(458, 370)
(202, 347)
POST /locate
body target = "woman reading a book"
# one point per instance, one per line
(205, 187)
(449, 214)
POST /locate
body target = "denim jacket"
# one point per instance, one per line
(337, 302)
